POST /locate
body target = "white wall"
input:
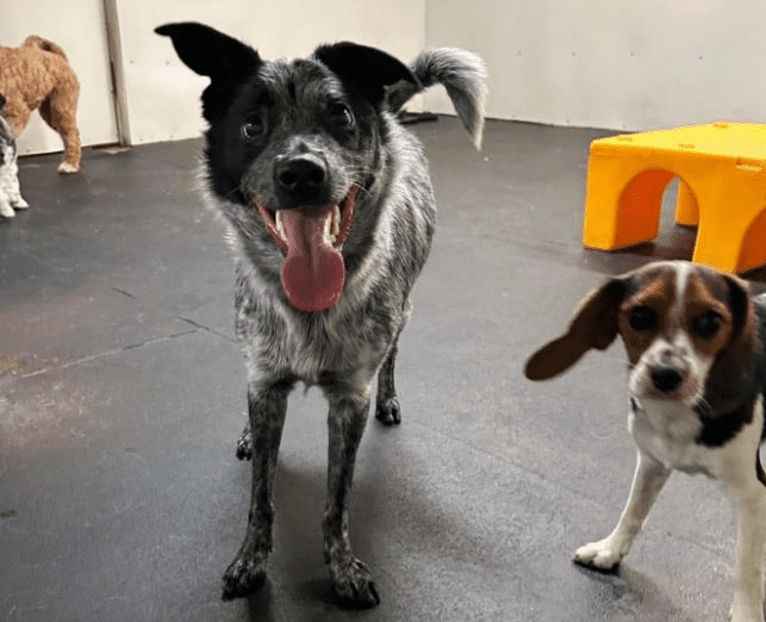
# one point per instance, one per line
(614, 64)
(163, 94)
(78, 28)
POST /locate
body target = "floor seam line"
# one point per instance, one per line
(112, 352)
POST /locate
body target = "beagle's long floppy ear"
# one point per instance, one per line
(595, 325)
(730, 376)
(739, 303)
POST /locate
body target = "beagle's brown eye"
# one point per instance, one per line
(642, 318)
(707, 325)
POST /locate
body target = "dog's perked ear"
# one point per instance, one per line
(364, 69)
(595, 325)
(208, 52)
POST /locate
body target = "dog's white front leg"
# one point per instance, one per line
(5, 208)
(14, 190)
(649, 478)
(751, 544)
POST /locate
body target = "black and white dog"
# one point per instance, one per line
(330, 213)
(10, 192)
(697, 375)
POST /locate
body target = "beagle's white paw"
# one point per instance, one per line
(602, 555)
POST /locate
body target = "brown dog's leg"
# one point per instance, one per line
(351, 580)
(17, 114)
(267, 406)
(60, 112)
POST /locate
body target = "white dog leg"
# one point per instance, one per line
(751, 545)
(14, 192)
(6, 209)
(649, 478)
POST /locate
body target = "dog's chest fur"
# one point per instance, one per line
(348, 341)
(345, 342)
(668, 432)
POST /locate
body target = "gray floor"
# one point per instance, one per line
(122, 393)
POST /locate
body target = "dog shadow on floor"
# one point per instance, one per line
(398, 525)
(297, 572)
(414, 522)
(630, 590)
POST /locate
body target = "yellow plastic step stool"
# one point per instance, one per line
(722, 189)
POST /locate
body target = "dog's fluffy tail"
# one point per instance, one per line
(33, 41)
(462, 73)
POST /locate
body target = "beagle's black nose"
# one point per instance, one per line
(665, 378)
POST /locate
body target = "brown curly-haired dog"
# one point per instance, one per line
(37, 76)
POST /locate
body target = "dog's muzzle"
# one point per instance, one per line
(665, 378)
(313, 272)
(665, 374)
(301, 180)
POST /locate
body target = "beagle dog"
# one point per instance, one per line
(696, 380)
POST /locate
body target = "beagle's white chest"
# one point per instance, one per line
(667, 431)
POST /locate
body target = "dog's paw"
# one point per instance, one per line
(20, 203)
(245, 445)
(243, 577)
(388, 411)
(353, 584)
(6, 211)
(601, 555)
(67, 169)
(741, 612)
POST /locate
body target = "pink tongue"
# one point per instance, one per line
(313, 272)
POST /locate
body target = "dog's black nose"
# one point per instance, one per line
(302, 180)
(665, 379)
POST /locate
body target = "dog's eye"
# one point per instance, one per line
(707, 325)
(642, 318)
(341, 115)
(252, 130)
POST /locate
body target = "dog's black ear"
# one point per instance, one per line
(364, 69)
(2, 100)
(595, 325)
(208, 52)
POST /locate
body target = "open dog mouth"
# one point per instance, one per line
(311, 238)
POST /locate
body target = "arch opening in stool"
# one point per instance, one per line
(638, 210)
(753, 250)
